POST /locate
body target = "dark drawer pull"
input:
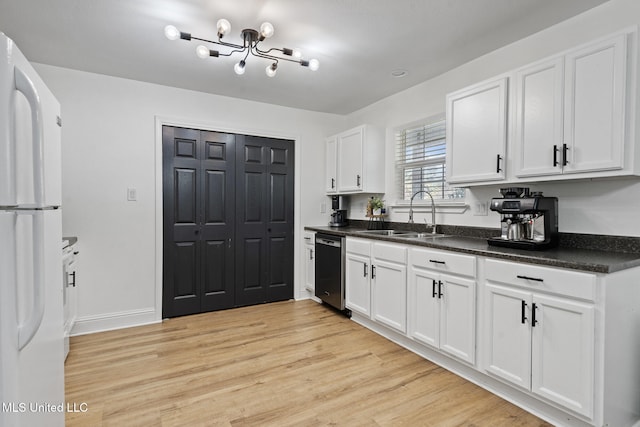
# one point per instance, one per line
(535, 279)
(435, 261)
(498, 168)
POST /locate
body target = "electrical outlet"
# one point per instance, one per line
(481, 208)
(132, 194)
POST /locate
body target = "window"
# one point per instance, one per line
(420, 161)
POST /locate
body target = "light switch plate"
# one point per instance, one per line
(132, 194)
(481, 208)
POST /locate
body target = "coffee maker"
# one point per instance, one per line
(339, 214)
(529, 220)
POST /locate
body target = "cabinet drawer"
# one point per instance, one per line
(445, 262)
(390, 252)
(309, 237)
(359, 246)
(553, 280)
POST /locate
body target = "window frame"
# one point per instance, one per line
(400, 165)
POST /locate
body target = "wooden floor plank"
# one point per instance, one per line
(282, 364)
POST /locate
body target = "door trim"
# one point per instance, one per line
(220, 127)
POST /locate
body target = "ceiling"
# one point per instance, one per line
(359, 43)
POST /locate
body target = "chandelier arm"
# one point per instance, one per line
(265, 54)
(221, 43)
(231, 52)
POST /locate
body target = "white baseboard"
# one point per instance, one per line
(110, 321)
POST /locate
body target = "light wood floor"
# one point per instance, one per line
(282, 364)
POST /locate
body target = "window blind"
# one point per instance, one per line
(420, 162)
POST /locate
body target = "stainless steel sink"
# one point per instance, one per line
(398, 233)
(423, 236)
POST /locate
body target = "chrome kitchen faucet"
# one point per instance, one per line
(433, 210)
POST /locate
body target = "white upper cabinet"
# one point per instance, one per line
(595, 106)
(355, 161)
(538, 126)
(570, 111)
(331, 165)
(569, 116)
(477, 132)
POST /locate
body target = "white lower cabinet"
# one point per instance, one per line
(309, 261)
(442, 306)
(560, 343)
(540, 342)
(376, 276)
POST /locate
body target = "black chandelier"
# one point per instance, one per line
(251, 39)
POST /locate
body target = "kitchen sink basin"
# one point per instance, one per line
(423, 235)
(394, 233)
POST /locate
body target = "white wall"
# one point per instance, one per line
(599, 207)
(110, 144)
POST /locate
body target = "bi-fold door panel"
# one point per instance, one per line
(198, 203)
(229, 198)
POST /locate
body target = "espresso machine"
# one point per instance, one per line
(339, 214)
(529, 220)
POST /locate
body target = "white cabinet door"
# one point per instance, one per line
(477, 132)
(350, 155)
(358, 288)
(309, 261)
(331, 164)
(595, 106)
(539, 125)
(507, 340)
(458, 317)
(389, 294)
(442, 312)
(424, 306)
(563, 352)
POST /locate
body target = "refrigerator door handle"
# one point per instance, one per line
(28, 329)
(28, 89)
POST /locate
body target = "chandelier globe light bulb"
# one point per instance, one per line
(202, 51)
(239, 68)
(266, 30)
(171, 32)
(224, 27)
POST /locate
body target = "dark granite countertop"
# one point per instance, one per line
(592, 260)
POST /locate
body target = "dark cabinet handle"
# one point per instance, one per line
(498, 158)
(535, 279)
(534, 322)
(333, 183)
(440, 294)
(358, 180)
(564, 154)
(555, 155)
(523, 317)
(366, 269)
(433, 289)
(435, 261)
(373, 271)
(74, 279)
(310, 254)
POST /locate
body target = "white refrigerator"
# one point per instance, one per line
(31, 304)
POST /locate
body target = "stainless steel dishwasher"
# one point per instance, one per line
(330, 275)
